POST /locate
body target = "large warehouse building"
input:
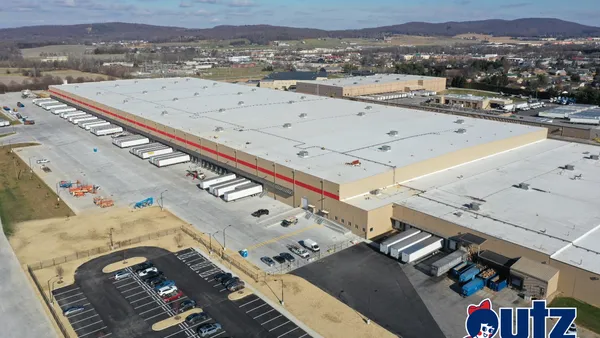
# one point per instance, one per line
(504, 187)
(371, 85)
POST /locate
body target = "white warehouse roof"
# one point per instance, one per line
(370, 80)
(332, 131)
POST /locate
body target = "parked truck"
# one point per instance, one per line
(230, 187)
(130, 141)
(396, 249)
(170, 159)
(205, 184)
(497, 283)
(243, 191)
(459, 269)
(422, 249)
(384, 247)
(444, 264)
(469, 274)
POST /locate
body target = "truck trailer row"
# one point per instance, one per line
(170, 159)
(130, 141)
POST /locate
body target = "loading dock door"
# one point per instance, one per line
(304, 203)
(517, 282)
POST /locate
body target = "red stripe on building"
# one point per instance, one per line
(195, 145)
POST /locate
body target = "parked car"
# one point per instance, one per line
(171, 297)
(236, 286)
(196, 318)
(142, 266)
(145, 272)
(268, 261)
(260, 212)
(164, 284)
(152, 274)
(154, 281)
(311, 245)
(572, 330)
(289, 221)
(279, 259)
(73, 310)
(287, 256)
(42, 161)
(225, 280)
(186, 305)
(122, 275)
(299, 251)
(231, 281)
(208, 329)
(222, 276)
(166, 290)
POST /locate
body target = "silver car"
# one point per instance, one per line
(208, 329)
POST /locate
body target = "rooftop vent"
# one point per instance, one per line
(303, 115)
(98, 93)
(355, 83)
(376, 80)
(594, 157)
(136, 81)
(474, 206)
(362, 113)
(291, 101)
(385, 148)
(303, 154)
(163, 87)
(375, 192)
(221, 110)
(204, 87)
(176, 81)
(253, 89)
(393, 133)
(523, 186)
(145, 92)
(219, 129)
(125, 101)
(461, 131)
(240, 93)
(397, 78)
(287, 125)
(164, 112)
(196, 94)
(241, 103)
(116, 84)
(187, 79)
(569, 167)
(302, 97)
(459, 121)
(175, 99)
(368, 107)
(214, 83)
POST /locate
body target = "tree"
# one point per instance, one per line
(348, 68)
(60, 271)
(178, 239)
(268, 68)
(542, 80)
(458, 82)
(575, 77)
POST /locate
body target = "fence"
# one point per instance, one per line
(61, 327)
(298, 263)
(100, 250)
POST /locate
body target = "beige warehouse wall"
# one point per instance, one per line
(348, 190)
(379, 221)
(319, 89)
(578, 283)
(351, 217)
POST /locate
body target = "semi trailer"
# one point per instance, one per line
(384, 247)
(55, 106)
(38, 101)
(137, 150)
(155, 152)
(396, 249)
(130, 141)
(71, 118)
(106, 130)
(444, 264)
(422, 249)
(47, 103)
(170, 159)
(95, 123)
(64, 110)
(212, 188)
(243, 191)
(229, 187)
(75, 113)
(205, 184)
(84, 119)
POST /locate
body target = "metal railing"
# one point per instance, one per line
(60, 325)
(300, 262)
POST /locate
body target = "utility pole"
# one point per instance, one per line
(110, 234)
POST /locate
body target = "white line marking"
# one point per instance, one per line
(190, 328)
(152, 309)
(62, 293)
(120, 286)
(258, 307)
(58, 300)
(218, 334)
(133, 288)
(102, 328)
(83, 327)
(306, 334)
(294, 329)
(80, 313)
(272, 319)
(122, 280)
(81, 320)
(218, 284)
(135, 294)
(153, 301)
(276, 327)
(193, 260)
(264, 313)
(162, 313)
(252, 301)
(137, 300)
(79, 300)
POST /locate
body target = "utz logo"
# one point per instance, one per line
(483, 322)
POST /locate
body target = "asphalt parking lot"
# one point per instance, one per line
(76, 154)
(128, 307)
(376, 286)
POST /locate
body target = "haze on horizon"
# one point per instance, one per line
(332, 14)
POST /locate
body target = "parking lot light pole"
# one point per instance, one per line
(50, 289)
(210, 238)
(282, 302)
(224, 243)
(162, 203)
(30, 167)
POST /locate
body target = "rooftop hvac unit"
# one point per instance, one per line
(253, 89)
(474, 206)
(175, 99)
(375, 192)
(385, 148)
(116, 84)
(125, 101)
(221, 110)
(241, 103)
(291, 101)
(219, 129)
(187, 79)
(176, 81)
(461, 131)
(302, 97)
(240, 93)
(163, 87)
(368, 107)
(98, 93)
(523, 186)
(376, 80)
(303, 115)
(204, 87)
(145, 92)
(287, 125)
(393, 133)
(594, 157)
(303, 154)
(362, 113)
(569, 167)
(214, 83)
(459, 121)
(355, 83)
(196, 94)
(136, 81)
(164, 112)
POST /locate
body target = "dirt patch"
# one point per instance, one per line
(120, 265)
(23, 195)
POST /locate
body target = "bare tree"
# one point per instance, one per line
(178, 239)
(60, 271)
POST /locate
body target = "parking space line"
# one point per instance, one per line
(258, 307)
(264, 313)
(137, 300)
(83, 327)
(81, 320)
(294, 329)
(222, 289)
(189, 328)
(193, 260)
(152, 309)
(162, 313)
(62, 293)
(79, 300)
(89, 333)
(121, 280)
(276, 327)
(58, 300)
(306, 334)
(252, 301)
(272, 319)
(218, 334)
(120, 286)
(135, 294)
(137, 307)
(133, 288)
(80, 313)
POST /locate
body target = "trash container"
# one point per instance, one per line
(244, 253)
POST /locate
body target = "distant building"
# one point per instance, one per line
(472, 101)
(122, 64)
(239, 59)
(55, 58)
(285, 80)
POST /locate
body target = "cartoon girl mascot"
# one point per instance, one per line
(482, 321)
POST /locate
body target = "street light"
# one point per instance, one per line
(210, 238)
(281, 301)
(224, 244)
(30, 168)
(50, 289)
(162, 203)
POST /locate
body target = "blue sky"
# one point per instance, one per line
(330, 14)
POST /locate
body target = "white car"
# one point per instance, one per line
(166, 290)
(572, 330)
(147, 271)
(42, 161)
(122, 275)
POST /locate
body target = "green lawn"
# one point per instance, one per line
(588, 315)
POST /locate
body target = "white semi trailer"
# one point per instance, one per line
(243, 191)
(73, 117)
(396, 249)
(45, 103)
(95, 123)
(130, 141)
(84, 119)
(146, 154)
(75, 113)
(212, 188)
(205, 184)
(55, 106)
(384, 247)
(229, 187)
(422, 249)
(106, 130)
(64, 110)
(170, 159)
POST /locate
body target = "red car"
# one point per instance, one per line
(173, 296)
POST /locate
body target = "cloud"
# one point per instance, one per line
(212, 2)
(515, 5)
(185, 4)
(242, 3)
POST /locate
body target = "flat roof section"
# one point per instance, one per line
(557, 215)
(277, 125)
(376, 79)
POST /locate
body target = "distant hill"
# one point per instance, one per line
(114, 31)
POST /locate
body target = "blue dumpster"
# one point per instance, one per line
(244, 253)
